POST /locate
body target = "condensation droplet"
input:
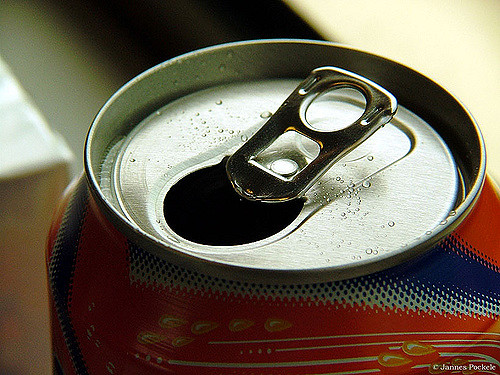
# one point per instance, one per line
(391, 223)
(369, 251)
(244, 138)
(452, 213)
(221, 130)
(351, 184)
(218, 102)
(370, 158)
(132, 160)
(444, 222)
(266, 114)
(231, 131)
(366, 184)
(338, 178)
(428, 232)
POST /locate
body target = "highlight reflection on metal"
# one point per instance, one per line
(255, 180)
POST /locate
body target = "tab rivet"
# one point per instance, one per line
(284, 167)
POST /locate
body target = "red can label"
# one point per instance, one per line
(118, 309)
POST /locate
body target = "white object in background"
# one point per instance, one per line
(34, 169)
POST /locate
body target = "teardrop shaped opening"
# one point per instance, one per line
(203, 207)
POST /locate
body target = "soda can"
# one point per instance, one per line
(381, 255)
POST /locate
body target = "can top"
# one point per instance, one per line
(390, 199)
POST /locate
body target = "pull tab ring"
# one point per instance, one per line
(289, 176)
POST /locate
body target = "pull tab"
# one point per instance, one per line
(263, 170)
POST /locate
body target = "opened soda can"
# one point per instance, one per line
(278, 207)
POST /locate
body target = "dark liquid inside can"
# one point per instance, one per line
(204, 208)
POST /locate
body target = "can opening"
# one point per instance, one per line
(203, 207)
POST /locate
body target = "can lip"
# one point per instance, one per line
(224, 269)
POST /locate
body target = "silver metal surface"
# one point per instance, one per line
(255, 180)
(389, 200)
(376, 200)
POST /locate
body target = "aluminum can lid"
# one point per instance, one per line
(391, 198)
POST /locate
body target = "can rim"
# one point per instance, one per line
(226, 270)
